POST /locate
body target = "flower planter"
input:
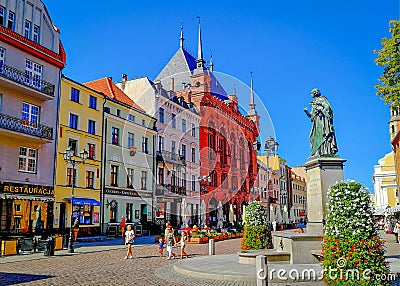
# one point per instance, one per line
(205, 239)
(196, 240)
(225, 236)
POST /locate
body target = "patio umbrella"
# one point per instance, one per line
(272, 214)
(203, 212)
(219, 214)
(231, 214)
(244, 214)
(183, 211)
(278, 215)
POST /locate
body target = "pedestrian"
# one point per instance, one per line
(274, 225)
(171, 241)
(122, 225)
(396, 230)
(161, 247)
(129, 240)
(183, 244)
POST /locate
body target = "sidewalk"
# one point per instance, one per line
(82, 246)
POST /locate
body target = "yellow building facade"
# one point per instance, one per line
(385, 183)
(80, 129)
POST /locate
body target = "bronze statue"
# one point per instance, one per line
(322, 136)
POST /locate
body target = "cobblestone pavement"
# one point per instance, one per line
(108, 267)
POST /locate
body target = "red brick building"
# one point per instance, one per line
(228, 159)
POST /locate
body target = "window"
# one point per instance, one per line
(160, 143)
(36, 34)
(193, 130)
(2, 56)
(194, 155)
(184, 180)
(91, 127)
(2, 13)
(173, 120)
(161, 115)
(183, 125)
(118, 112)
(129, 177)
(143, 122)
(73, 121)
(161, 176)
(184, 151)
(74, 94)
(30, 114)
(33, 73)
(131, 117)
(73, 145)
(17, 208)
(173, 147)
(90, 179)
(131, 139)
(144, 145)
(27, 29)
(17, 222)
(114, 176)
(194, 183)
(71, 173)
(173, 177)
(91, 151)
(128, 212)
(114, 136)
(143, 180)
(11, 19)
(92, 102)
(27, 159)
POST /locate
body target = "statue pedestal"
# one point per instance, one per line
(321, 173)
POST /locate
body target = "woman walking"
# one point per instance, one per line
(129, 240)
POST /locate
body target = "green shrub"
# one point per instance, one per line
(353, 251)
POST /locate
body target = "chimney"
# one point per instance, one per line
(172, 82)
(124, 79)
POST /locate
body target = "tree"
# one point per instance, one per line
(257, 230)
(389, 58)
(353, 251)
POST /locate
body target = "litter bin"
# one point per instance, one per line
(50, 244)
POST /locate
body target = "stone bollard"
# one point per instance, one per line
(261, 270)
(211, 246)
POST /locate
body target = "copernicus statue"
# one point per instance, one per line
(322, 136)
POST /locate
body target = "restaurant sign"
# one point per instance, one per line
(26, 189)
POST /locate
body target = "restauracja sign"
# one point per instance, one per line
(26, 189)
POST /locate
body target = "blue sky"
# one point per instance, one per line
(290, 46)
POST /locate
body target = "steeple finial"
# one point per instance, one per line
(199, 44)
(199, 61)
(252, 110)
(211, 63)
(181, 39)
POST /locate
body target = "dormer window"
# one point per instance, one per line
(2, 12)
(27, 29)
(36, 34)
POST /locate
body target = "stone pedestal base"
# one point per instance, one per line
(321, 173)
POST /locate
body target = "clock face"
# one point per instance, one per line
(197, 84)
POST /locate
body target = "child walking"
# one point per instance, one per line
(183, 244)
(171, 241)
(161, 247)
(129, 236)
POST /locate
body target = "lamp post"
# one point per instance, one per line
(69, 155)
(270, 148)
(203, 182)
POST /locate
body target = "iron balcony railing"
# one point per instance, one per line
(25, 79)
(24, 126)
(167, 156)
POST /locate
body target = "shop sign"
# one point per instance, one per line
(125, 192)
(26, 189)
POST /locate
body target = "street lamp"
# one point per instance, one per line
(202, 181)
(270, 148)
(69, 155)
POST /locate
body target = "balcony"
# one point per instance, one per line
(43, 89)
(169, 157)
(25, 127)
